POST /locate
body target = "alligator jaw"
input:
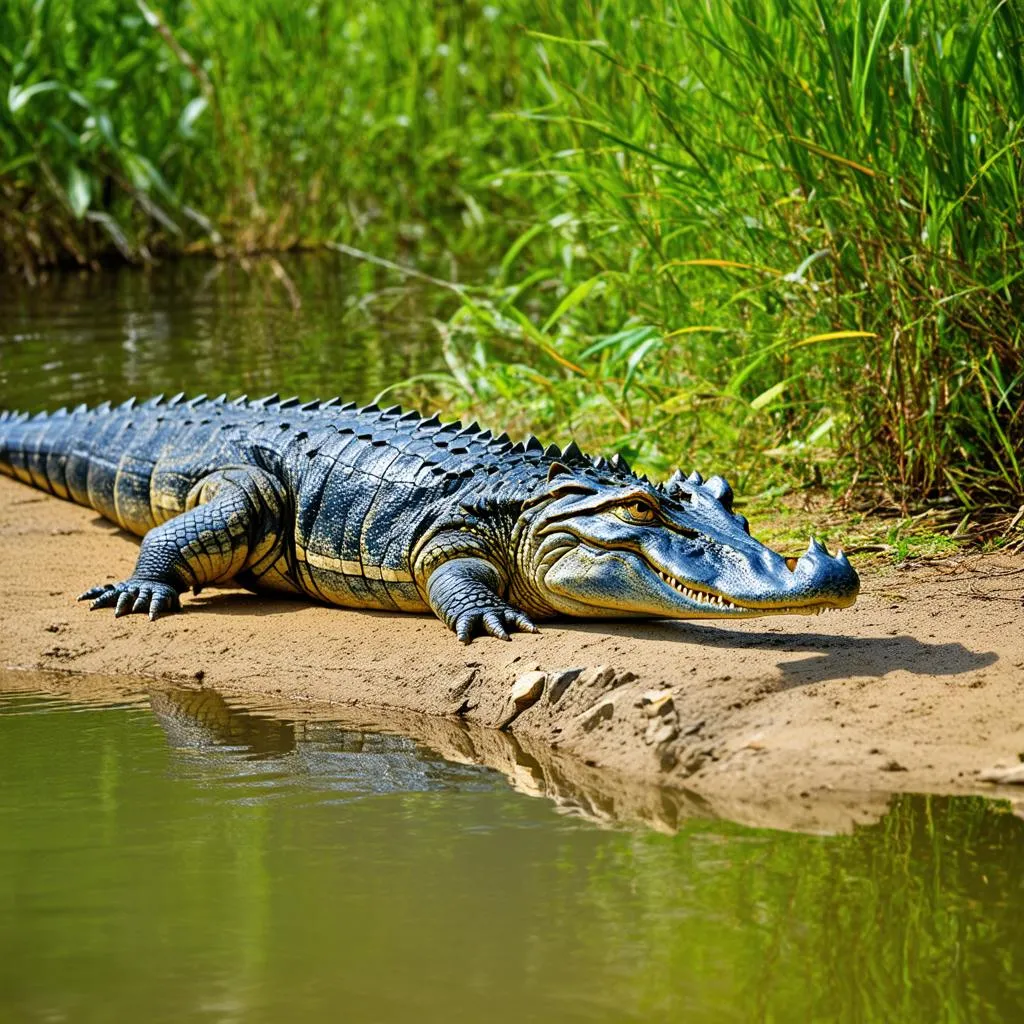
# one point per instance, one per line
(708, 604)
(607, 582)
(814, 583)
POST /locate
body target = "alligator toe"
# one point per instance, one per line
(134, 597)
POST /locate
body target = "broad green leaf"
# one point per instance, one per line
(573, 299)
(624, 339)
(636, 358)
(517, 247)
(190, 115)
(79, 190)
(18, 97)
(769, 396)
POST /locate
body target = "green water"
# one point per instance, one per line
(161, 861)
(199, 326)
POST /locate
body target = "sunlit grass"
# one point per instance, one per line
(777, 238)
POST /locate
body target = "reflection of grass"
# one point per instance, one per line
(781, 236)
(911, 919)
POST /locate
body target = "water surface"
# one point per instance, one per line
(203, 326)
(173, 859)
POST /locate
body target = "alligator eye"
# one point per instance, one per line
(638, 512)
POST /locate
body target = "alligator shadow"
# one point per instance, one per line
(228, 599)
(828, 656)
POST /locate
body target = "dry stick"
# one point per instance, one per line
(358, 254)
(289, 286)
(206, 86)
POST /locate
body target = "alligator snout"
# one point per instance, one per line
(818, 575)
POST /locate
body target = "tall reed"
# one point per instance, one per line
(774, 230)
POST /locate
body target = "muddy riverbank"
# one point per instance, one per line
(920, 687)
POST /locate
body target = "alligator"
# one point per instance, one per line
(385, 509)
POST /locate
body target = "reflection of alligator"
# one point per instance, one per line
(198, 719)
(372, 508)
(316, 755)
(401, 751)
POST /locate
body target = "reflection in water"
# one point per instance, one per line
(319, 757)
(202, 720)
(201, 326)
(228, 865)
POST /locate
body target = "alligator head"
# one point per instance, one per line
(603, 542)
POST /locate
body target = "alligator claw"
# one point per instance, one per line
(133, 597)
(496, 622)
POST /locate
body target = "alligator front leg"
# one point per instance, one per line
(232, 522)
(464, 595)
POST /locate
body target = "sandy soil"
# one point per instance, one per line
(791, 722)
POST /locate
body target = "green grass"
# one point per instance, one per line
(780, 238)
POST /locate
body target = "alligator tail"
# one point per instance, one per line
(79, 456)
(33, 449)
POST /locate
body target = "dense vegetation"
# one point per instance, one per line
(762, 233)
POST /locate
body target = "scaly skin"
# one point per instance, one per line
(367, 508)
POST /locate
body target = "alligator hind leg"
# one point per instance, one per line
(464, 595)
(232, 522)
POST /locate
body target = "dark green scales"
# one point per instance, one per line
(376, 508)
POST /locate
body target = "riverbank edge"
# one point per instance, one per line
(775, 722)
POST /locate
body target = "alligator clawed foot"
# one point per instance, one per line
(496, 621)
(134, 596)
